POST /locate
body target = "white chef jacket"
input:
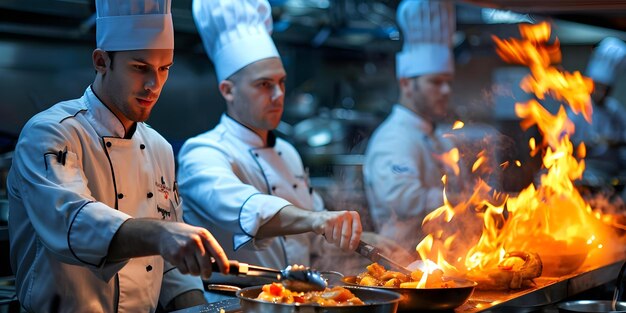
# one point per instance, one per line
(73, 182)
(402, 176)
(233, 184)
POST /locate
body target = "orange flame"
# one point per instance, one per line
(550, 218)
(450, 160)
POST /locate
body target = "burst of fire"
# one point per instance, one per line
(549, 217)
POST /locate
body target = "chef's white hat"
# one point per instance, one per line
(607, 61)
(134, 25)
(427, 27)
(234, 33)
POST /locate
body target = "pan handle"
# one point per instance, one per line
(222, 289)
(619, 287)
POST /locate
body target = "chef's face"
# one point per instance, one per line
(132, 82)
(429, 95)
(256, 93)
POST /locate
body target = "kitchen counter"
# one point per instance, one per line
(542, 297)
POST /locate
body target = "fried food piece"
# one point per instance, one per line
(377, 276)
(376, 270)
(516, 271)
(368, 280)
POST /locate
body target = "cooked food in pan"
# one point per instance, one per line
(336, 296)
(378, 276)
(517, 270)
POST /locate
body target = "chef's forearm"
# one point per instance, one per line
(135, 238)
(288, 221)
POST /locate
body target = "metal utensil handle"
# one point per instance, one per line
(234, 268)
(374, 255)
(244, 269)
(368, 251)
(619, 286)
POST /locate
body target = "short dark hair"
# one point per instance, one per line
(111, 57)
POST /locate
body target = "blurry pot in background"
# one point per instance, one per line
(321, 134)
(591, 306)
(336, 131)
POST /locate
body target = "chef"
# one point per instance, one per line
(238, 179)
(95, 215)
(401, 170)
(605, 136)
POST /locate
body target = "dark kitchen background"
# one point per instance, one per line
(340, 60)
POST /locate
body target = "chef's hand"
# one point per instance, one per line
(342, 228)
(191, 249)
(187, 247)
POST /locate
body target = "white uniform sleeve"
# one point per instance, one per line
(396, 181)
(58, 202)
(213, 194)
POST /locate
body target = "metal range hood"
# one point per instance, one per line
(607, 14)
(347, 24)
(317, 23)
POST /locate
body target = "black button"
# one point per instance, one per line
(280, 153)
(150, 195)
(295, 186)
(273, 188)
(120, 195)
(148, 268)
(108, 144)
(256, 155)
(142, 146)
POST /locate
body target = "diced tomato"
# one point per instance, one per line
(298, 299)
(276, 289)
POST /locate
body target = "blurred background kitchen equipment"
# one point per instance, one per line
(6, 159)
(8, 298)
(592, 306)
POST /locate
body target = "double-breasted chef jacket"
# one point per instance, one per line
(403, 176)
(233, 184)
(73, 182)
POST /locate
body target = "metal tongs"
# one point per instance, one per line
(296, 277)
(374, 255)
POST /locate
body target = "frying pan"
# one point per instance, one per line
(424, 299)
(376, 301)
